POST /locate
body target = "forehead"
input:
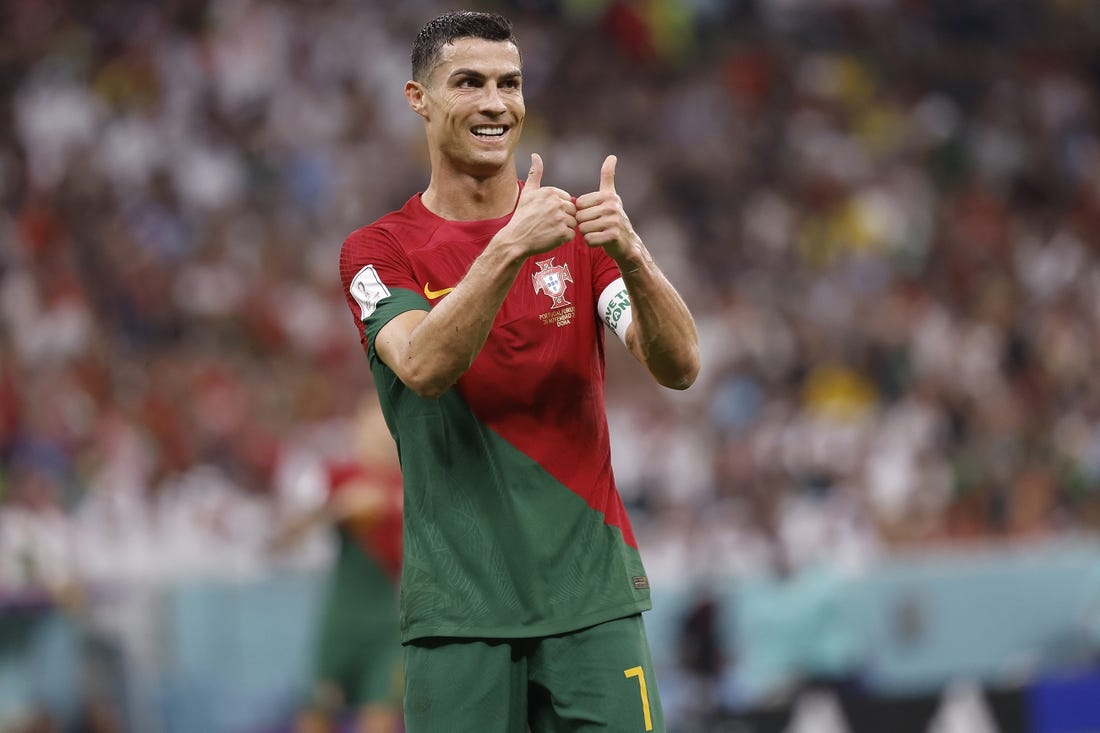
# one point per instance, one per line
(491, 58)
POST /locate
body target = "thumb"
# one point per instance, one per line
(534, 177)
(607, 174)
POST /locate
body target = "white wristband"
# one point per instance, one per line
(614, 308)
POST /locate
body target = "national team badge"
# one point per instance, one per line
(551, 279)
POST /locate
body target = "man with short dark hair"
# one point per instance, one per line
(481, 305)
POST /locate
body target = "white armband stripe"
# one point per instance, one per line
(614, 309)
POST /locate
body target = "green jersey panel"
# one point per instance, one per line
(494, 545)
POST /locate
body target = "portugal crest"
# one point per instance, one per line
(551, 279)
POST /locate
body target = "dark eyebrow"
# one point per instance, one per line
(475, 74)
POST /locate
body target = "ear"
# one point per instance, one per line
(414, 92)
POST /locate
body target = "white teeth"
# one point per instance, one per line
(488, 131)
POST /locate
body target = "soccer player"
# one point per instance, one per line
(356, 674)
(481, 305)
(358, 660)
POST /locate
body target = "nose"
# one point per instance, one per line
(491, 101)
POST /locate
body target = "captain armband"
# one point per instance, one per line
(614, 308)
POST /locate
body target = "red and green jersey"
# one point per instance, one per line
(378, 536)
(513, 525)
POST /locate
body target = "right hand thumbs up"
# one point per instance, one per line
(534, 176)
(545, 217)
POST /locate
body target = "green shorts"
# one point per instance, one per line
(600, 678)
(358, 654)
(358, 664)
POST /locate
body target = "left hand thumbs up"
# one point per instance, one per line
(607, 174)
(601, 218)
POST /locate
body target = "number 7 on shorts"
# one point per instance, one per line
(640, 674)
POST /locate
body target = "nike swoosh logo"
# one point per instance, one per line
(433, 294)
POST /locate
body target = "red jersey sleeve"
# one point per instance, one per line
(372, 266)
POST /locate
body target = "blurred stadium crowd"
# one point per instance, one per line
(885, 215)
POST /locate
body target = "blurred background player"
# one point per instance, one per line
(357, 659)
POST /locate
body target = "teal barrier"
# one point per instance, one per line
(244, 651)
(993, 615)
(40, 664)
(236, 655)
(912, 625)
(789, 629)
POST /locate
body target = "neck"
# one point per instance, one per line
(462, 197)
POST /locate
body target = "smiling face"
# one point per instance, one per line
(472, 105)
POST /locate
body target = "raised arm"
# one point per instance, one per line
(662, 335)
(429, 351)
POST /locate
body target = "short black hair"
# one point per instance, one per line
(448, 28)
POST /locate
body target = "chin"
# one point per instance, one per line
(488, 165)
